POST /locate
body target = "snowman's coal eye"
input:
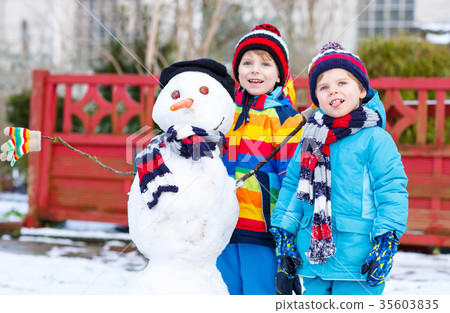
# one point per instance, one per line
(175, 94)
(204, 90)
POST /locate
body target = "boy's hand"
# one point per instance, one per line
(380, 259)
(288, 258)
(23, 141)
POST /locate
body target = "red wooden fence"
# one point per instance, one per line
(64, 185)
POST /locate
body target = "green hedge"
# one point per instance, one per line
(404, 57)
(407, 57)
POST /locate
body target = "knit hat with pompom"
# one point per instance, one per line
(333, 55)
(268, 38)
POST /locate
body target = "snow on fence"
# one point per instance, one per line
(99, 114)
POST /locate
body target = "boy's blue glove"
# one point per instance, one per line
(380, 259)
(288, 257)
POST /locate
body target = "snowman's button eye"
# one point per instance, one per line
(204, 90)
(175, 94)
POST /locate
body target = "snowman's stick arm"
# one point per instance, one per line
(93, 158)
(305, 114)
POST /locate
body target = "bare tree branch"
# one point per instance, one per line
(139, 69)
(190, 28)
(179, 25)
(151, 44)
(162, 59)
(230, 11)
(112, 59)
(216, 20)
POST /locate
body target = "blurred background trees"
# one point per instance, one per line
(403, 56)
(144, 36)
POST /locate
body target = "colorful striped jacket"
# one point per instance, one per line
(260, 124)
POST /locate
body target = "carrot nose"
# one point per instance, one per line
(185, 103)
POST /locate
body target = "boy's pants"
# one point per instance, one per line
(318, 286)
(248, 269)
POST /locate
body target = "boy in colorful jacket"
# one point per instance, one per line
(344, 197)
(264, 116)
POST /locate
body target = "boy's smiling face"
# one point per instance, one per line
(258, 72)
(338, 92)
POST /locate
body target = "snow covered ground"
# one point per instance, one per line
(63, 264)
(12, 206)
(60, 271)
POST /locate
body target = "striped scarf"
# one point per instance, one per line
(315, 172)
(189, 142)
(247, 101)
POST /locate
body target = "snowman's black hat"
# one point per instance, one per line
(213, 68)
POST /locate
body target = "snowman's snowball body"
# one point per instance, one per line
(183, 235)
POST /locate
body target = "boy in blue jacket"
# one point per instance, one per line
(344, 197)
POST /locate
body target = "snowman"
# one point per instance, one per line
(182, 205)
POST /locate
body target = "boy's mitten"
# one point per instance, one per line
(23, 141)
(288, 257)
(380, 259)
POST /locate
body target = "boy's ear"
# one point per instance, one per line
(363, 94)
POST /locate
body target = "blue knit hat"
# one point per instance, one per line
(333, 55)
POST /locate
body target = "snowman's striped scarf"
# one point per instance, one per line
(315, 172)
(186, 141)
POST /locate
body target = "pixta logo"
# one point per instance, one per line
(137, 141)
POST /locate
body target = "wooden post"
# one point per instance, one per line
(422, 114)
(34, 159)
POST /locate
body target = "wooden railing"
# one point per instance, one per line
(64, 185)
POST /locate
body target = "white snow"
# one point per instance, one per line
(12, 202)
(442, 39)
(54, 274)
(416, 273)
(109, 272)
(86, 231)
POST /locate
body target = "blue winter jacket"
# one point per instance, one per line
(368, 199)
